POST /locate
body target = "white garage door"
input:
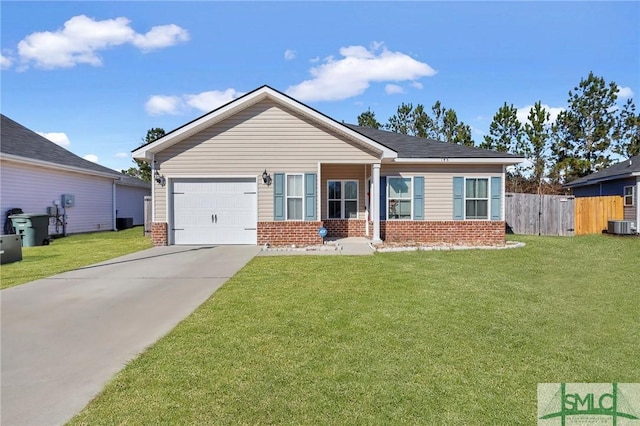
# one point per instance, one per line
(215, 211)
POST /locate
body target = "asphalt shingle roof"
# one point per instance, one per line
(15, 139)
(414, 147)
(617, 171)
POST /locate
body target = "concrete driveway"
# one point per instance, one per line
(65, 336)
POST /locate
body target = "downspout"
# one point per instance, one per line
(153, 190)
(319, 192)
(113, 203)
(367, 202)
(636, 201)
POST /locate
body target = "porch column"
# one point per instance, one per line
(375, 202)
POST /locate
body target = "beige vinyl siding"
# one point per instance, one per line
(438, 183)
(359, 172)
(264, 136)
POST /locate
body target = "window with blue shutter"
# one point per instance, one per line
(418, 198)
(458, 198)
(310, 196)
(496, 198)
(383, 198)
(278, 196)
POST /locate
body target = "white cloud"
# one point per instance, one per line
(625, 92)
(122, 155)
(314, 60)
(523, 113)
(392, 89)
(289, 54)
(417, 85)
(207, 101)
(81, 39)
(159, 104)
(204, 101)
(338, 79)
(91, 157)
(160, 36)
(58, 138)
(5, 62)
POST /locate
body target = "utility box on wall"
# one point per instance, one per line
(68, 200)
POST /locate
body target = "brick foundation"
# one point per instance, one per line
(282, 233)
(458, 232)
(159, 234)
(343, 228)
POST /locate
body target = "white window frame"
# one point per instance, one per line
(632, 195)
(342, 198)
(488, 199)
(287, 196)
(388, 203)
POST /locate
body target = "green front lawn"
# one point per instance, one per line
(72, 252)
(401, 338)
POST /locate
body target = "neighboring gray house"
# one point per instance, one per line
(35, 172)
(619, 179)
(267, 169)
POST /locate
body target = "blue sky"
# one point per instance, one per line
(95, 76)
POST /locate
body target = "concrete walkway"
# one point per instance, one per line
(65, 336)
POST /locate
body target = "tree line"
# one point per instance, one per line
(585, 137)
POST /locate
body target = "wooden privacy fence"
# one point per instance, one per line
(593, 213)
(533, 214)
(563, 215)
(147, 215)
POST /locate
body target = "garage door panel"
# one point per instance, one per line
(215, 211)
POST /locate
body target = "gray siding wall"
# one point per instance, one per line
(33, 189)
(264, 136)
(130, 202)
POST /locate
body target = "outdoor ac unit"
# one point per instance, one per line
(621, 227)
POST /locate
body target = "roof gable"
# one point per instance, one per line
(265, 92)
(20, 143)
(621, 170)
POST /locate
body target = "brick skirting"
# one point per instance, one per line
(301, 233)
(282, 233)
(343, 228)
(455, 232)
(159, 234)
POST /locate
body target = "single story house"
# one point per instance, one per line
(621, 179)
(35, 173)
(267, 169)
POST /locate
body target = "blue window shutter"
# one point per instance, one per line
(418, 197)
(383, 198)
(278, 196)
(458, 198)
(496, 198)
(310, 196)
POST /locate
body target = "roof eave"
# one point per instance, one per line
(30, 161)
(461, 160)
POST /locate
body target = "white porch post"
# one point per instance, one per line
(375, 202)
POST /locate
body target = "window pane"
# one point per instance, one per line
(351, 209)
(334, 190)
(404, 209)
(294, 186)
(482, 209)
(471, 188)
(334, 209)
(399, 187)
(482, 189)
(294, 208)
(471, 209)
(351, 190)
